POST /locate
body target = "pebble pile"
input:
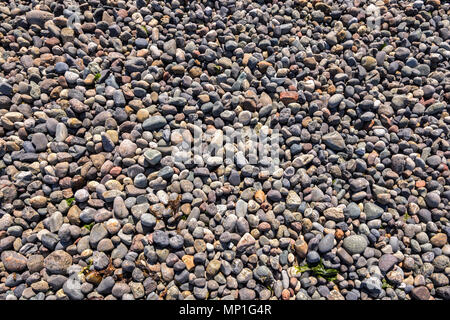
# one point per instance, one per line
(93, 204)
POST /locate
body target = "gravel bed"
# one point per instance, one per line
(228, 150)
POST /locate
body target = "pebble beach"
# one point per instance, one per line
(224, 150)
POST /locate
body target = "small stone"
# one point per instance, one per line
(433, 199)
(369, 62)
(127, 149)
(326, 244)
(335, 214)
(154, 123)
(334, 141)
(61, 132)
(14, 261)
(58, 262)
(372, 211)
(373, 285)
(72, 288)
(38, 202)
(212, 268)
(313, 257)
(161, 238)
(81, 195)
(439, 240)
(148, 220)
(153, 156)
(246, 241)
(420, 293)
(335, 100)
(38, 17)
(293, 200)
(387, 262)
(40, 141)
(288, 97)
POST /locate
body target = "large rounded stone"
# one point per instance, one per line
(355, 244)
(58, 262)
